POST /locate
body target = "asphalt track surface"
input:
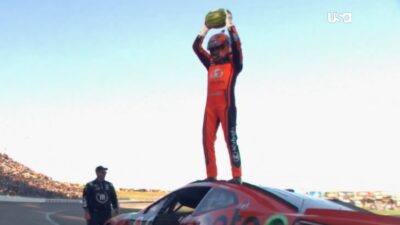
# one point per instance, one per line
(15, 213)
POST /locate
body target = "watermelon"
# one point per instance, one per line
(215, 18)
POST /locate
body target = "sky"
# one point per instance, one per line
(116, 83)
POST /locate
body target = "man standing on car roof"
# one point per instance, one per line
(224, 62)
(98, 196)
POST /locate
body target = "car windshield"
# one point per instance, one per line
(304, 202)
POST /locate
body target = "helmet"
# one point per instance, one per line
(217, 40)
(219, 47)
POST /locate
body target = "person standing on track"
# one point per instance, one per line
(224, 62)
(98, 197)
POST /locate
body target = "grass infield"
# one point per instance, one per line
(141, 196)
(387, 212)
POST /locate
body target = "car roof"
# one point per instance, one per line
(298, 201)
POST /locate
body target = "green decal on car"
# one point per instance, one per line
(277, 219)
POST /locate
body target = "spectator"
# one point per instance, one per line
(98, 197)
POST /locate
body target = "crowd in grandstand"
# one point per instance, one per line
(17, 179)
(372, 200)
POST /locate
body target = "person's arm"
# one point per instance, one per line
(199, 50)
(237, 56)
(85, 201)
(114, 199)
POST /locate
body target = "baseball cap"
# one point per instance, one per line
(101, 168)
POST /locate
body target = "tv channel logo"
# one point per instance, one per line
(336, 17)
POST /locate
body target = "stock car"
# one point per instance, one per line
(223, 203)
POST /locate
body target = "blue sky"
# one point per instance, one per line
(84, 83)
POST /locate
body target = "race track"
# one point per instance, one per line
(15, 213)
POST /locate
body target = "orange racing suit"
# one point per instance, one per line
(220, 105)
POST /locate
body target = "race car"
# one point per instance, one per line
(223, 203)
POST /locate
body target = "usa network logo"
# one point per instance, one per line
(336, 17)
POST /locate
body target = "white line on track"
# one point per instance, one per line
(51, 220)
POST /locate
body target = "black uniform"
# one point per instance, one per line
(98, 196)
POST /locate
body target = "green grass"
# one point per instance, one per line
(128, 207)
(141, 196)
(387, 212)
(125, 210)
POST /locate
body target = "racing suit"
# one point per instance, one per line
(98, 196)
(220, 104)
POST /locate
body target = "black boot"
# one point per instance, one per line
(210, 179)
(236, 180)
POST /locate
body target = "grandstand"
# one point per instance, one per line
(17, 179)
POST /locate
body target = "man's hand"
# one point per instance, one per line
(228, 20)
(204, 31)
(87, 216)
